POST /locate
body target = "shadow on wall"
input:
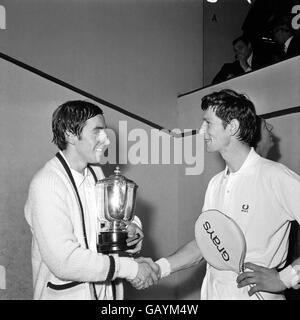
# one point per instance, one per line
(294, 237)
(190, 285)
(274, 153)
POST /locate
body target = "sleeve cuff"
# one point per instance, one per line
(165, 267)
(128, 268)
(289, 276)
(137, 221)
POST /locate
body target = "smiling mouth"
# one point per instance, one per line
(100, 149)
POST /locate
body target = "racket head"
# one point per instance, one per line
(220, 240)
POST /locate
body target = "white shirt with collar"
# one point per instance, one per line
(262, 197)
(249, 62)
(85, 184)
(287, 43)
(86, 187)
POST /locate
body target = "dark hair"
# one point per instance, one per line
(257, 134)
(71, 116)
(243, 38)
(283, 22)
(229, 105)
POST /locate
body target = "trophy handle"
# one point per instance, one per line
(130, 204)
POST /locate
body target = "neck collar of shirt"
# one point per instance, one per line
(249, 60)
(248, 63)
(246, 167)
(287, 43)
(78, 177)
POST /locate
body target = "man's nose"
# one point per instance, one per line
(107, 141)
(103, 137)
(202, 128)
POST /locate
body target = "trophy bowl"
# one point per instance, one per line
(119, 194)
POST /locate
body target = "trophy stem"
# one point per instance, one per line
(116, 225)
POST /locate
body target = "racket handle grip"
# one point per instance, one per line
(258, 295)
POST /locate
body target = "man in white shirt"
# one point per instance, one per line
(260, 195)
(62, 211)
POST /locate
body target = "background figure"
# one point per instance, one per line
(262, 12)
(62, 211)
(246, 60)
(258, 22)
(286, 37)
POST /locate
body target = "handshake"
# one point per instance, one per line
(148, 273)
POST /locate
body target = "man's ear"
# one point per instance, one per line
(234, 127)
(70, 137)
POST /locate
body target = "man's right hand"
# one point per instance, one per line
(148, 274)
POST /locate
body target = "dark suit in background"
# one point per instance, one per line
(234, 69)
(293, 49)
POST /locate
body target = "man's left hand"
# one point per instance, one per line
(262, 279)
(135, 238)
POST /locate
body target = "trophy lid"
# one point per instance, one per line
(117, 177)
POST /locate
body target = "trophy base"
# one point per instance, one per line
(112, 242)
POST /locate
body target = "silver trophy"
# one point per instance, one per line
(119, 196)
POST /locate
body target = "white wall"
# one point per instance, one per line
(222, 23)
(137, 54)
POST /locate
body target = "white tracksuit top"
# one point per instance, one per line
(59, 256)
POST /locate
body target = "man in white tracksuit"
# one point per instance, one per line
(62, 211)
(260, 195)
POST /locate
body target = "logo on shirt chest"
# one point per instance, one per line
(245, 208)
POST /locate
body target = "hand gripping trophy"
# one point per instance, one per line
(119, 196)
